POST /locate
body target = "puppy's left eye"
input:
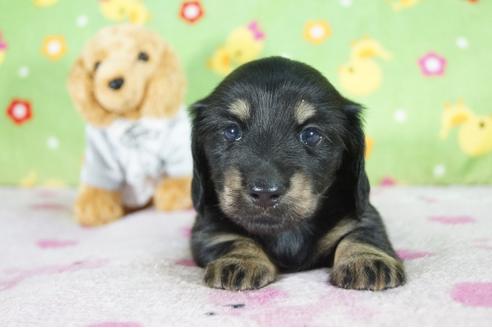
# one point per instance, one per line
(310, 136)
(232, 133)
(143, 56)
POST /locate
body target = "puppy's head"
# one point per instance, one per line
(271, 141)
(126, 70)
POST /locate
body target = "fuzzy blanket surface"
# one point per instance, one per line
(138, 271)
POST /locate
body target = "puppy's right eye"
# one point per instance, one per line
(96, 65)
(310, 136)
(232, 133)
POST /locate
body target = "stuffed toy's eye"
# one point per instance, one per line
(143, 56)
(310, 136)
(96, 65)
(232, 133)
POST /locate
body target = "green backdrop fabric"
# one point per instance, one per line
(421, 67)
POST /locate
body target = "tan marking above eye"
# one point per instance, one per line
(304, 111)
(240, 108)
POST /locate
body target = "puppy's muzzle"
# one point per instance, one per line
(265, 195)
(263, 184)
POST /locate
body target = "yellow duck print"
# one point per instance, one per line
(403, 4)
(29, 180)
(44, 3)
(119, 10)
(475, 132)
(361, 75)
(242, 45)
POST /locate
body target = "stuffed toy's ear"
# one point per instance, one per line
(165, 90)
(80, 87)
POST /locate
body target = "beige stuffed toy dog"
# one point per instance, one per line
(129, 87)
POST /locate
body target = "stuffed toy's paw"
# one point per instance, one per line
(95, 206)
(173, 194)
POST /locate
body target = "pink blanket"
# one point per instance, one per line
(138, 271)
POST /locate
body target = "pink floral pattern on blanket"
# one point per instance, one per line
(475, 294)
(169, 280)
(408, 254)
(272, 306)
(55, 243)
(21, 275)
(452, 219)
(116, 324)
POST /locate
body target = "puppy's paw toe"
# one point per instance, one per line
(368, 273)
(234, 273)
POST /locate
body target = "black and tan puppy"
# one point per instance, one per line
(279, 183)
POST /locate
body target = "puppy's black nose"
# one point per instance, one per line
(116, 83)
(265, 196)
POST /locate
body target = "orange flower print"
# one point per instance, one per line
(317, 32)
(54, 47)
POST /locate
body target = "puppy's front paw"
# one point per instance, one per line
(235, 273)
(95, 206)
(370, 272)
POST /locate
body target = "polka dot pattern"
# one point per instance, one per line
(474, 294)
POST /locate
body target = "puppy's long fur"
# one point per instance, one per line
(279, 183)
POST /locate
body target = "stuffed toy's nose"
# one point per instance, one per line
(116, 83)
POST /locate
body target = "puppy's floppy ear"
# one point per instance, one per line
(81, 89)
(200, 166)
(165, 89)
(353, 167)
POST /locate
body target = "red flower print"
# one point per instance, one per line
(191, 11)
(19, 111)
